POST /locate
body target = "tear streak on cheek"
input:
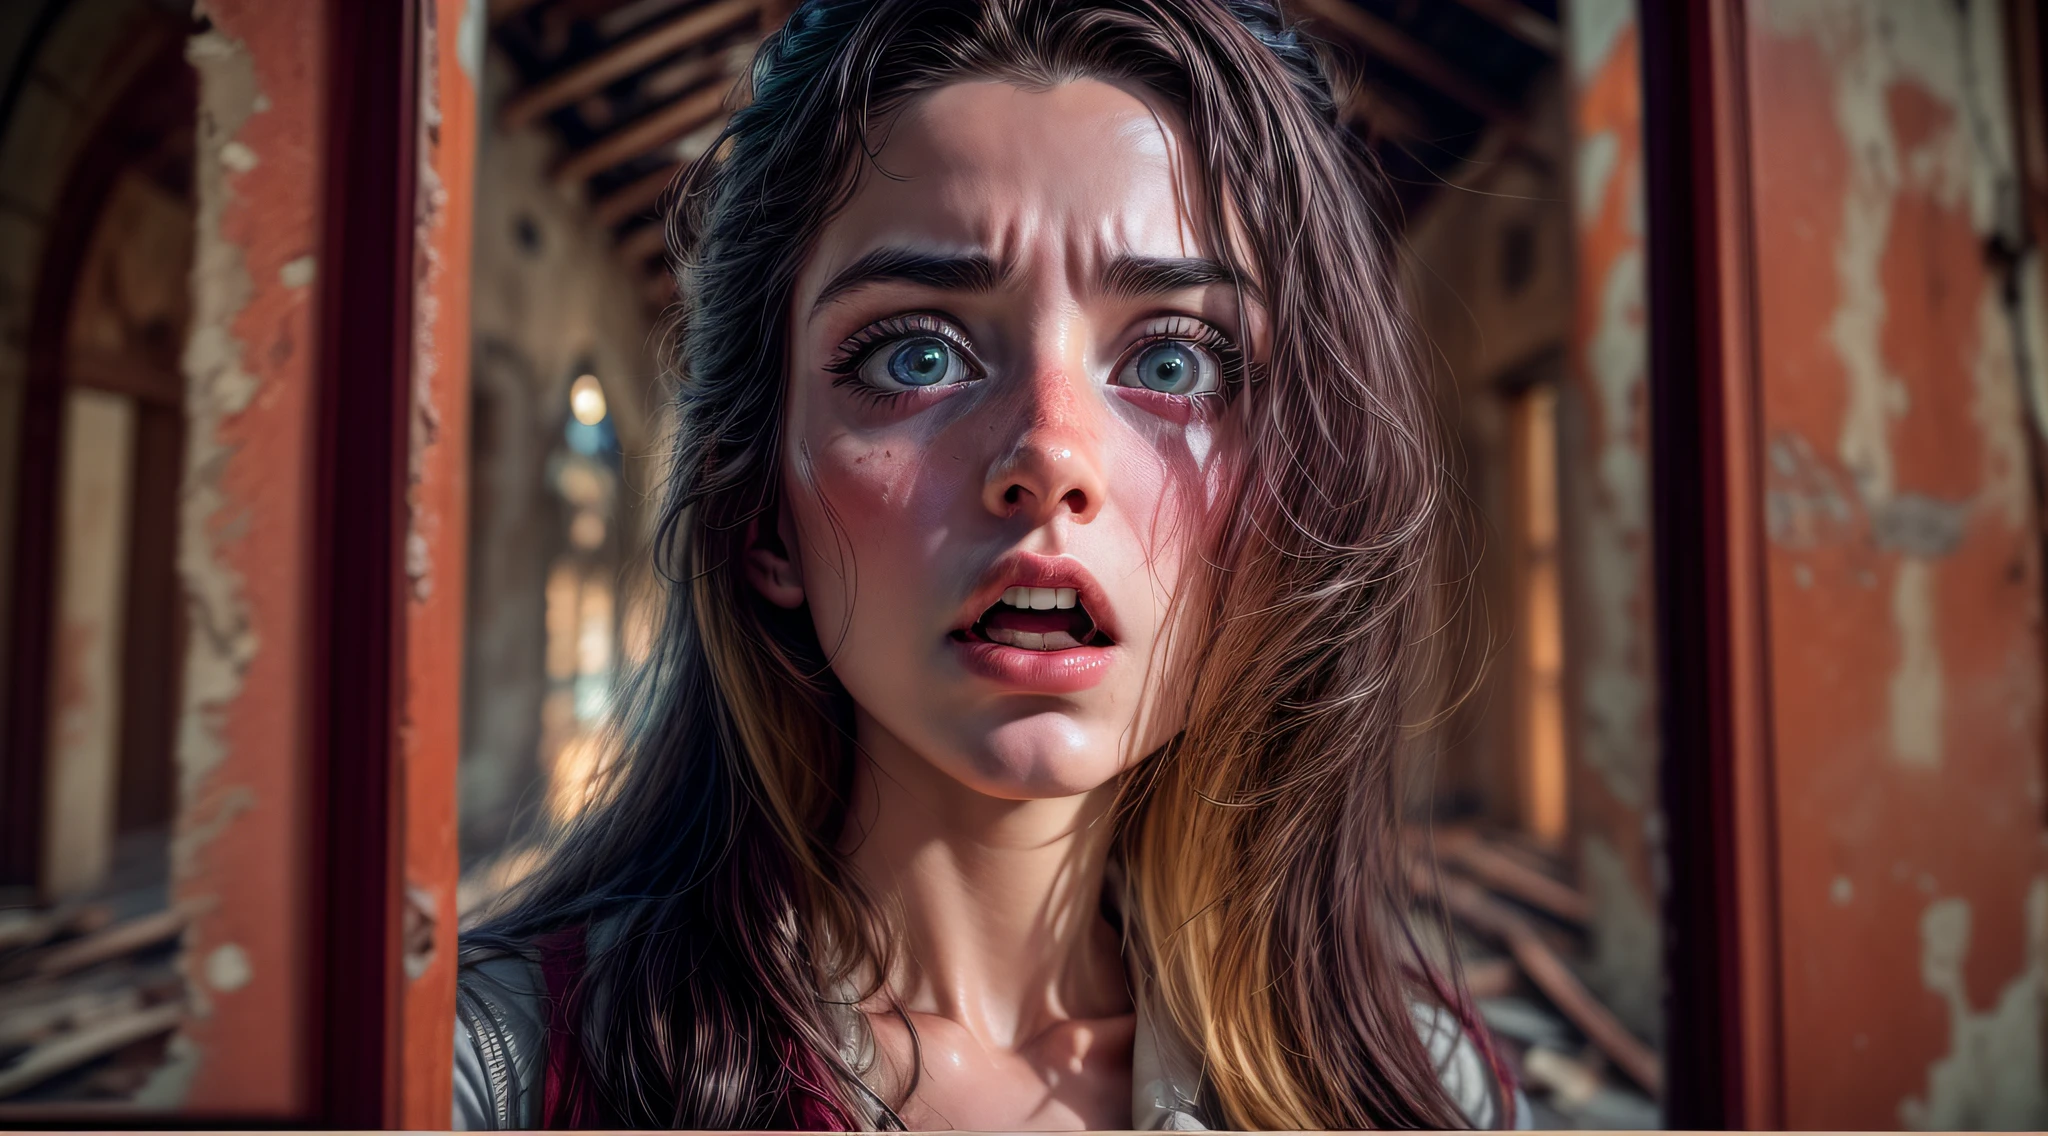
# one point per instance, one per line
(1184, 474)
(1199, 441)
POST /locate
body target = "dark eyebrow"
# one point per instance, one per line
(965, 272)
(1130, 277)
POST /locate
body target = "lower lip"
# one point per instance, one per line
(1038, 672)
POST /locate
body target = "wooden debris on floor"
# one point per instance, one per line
(1517, 924)
(87, 1002)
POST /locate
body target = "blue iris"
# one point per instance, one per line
(920, 362)
(1170, 368)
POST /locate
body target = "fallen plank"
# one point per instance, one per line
(26, 928)
(20, 930)
(68, 1052)
(35, 1024)
(1470, 904)
(1569, 1080)
(112, 943)
(1489, 978)
(1523, 851)
(1549, 974)
(1508, 875)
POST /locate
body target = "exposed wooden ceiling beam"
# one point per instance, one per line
(626, 57)
(643, 243)
(1382, 118)
(692, 146)
(647, 133)
(502, 10)
(675, 79)
(635, 197)
(1397, 47)
(659, 289)
(1522, 22)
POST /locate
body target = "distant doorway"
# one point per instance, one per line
(94, 619)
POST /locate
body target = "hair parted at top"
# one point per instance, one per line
(1266, 893)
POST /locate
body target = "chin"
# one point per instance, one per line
(1041, 757)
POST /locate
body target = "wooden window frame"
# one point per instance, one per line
(1723, 1051)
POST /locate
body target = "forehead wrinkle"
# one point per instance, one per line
(962, 190)
(1181, 177)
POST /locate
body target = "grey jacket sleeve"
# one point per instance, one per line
(1463, 1072)
(500, 1044)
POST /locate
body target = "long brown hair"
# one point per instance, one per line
(1266, 900)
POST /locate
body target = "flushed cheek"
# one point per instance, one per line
(847, 467)
(863, 524)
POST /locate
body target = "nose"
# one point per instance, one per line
(1051, 462)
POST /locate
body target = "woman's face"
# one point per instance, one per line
(1008, 365)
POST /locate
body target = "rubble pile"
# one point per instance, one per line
(1517, 925)
(87, 1002)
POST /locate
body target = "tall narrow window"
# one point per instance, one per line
(1539, 639)
(582, 601)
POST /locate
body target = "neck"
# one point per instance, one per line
(997, 902)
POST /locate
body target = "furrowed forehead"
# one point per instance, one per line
(976, 179)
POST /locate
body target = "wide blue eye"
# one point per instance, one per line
(920, 361)
(1174, 367)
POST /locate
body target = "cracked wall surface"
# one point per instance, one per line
(241, 851)
(437, 505)
(1904, 575)
(1604, 484)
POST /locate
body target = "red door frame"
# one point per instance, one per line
(1721, 943)
(393, 477)
(365, 373)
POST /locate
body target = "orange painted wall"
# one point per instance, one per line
(1903, 569)
(437, 544)
(245, 857)
(242, 846)
(1604, 477)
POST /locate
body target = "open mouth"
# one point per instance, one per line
(1037, 619)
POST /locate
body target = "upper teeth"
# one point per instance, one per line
(1040, 599)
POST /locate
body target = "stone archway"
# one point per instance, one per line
(95, 240)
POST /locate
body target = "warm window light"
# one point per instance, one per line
(587, 530)
(586, 400)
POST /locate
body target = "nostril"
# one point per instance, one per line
(1013, 494)
(1075, 500)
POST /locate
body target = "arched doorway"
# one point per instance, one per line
(94, 605)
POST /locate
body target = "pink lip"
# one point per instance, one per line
(1046, 672)
(1040, 672)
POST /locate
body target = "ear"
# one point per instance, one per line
(770, 566)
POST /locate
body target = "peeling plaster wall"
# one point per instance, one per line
(1903, 566)
(436, 550)
(1605, 486)
(240, 856)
